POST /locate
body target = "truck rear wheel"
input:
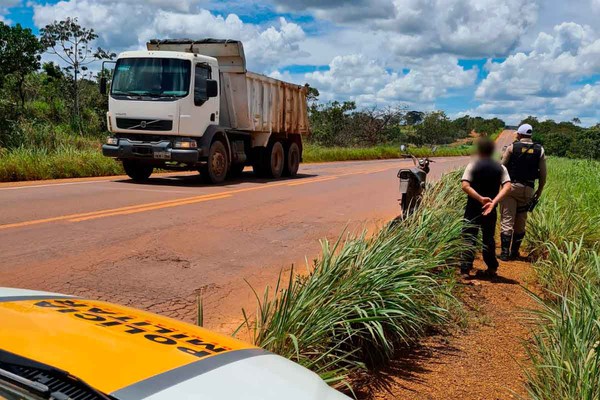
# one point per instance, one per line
(276, 160)
(270, 161)
(217, 165)
(292, 160)
(137, 171)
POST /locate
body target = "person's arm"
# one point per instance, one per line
(468, 189)
(506, 187)
(489, 207)
(543, 176)
(506, 155)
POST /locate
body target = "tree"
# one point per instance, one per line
(19, 55)
(330, 123)
(72, 43)
(436, 128)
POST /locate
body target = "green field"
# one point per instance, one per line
(565, 235)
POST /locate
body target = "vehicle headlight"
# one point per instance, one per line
(113, 141)
(185, 144)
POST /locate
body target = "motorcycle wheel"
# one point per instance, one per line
(404, 204)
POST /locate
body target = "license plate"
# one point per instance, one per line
(162, 155)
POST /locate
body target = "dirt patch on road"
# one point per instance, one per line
(483, 361)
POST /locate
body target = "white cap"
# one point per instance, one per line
(525, 130)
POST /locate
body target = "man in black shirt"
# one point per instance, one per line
(482, 181)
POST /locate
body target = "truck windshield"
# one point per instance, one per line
(151, 77)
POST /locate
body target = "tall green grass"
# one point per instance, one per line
(368, 296)
(570, 206)
(22, 164)
(565, 350)
(314, 153)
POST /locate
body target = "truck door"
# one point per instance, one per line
(197, 115)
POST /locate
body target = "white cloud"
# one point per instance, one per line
(468, 28)
(129, 24)
(545, 80)
(582, 102)
(366, 81)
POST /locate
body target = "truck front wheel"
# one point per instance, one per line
(292, 160)
(217, 165)
(137, 171)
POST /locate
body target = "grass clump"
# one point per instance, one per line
(565, 349)
(23, 164)
(366, 297)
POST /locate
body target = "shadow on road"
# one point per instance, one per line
(195, 180)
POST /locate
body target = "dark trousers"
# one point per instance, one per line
(487, 225)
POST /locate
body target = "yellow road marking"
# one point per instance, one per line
(79, 217)
(143, 209)
(92, 213)
(306, 181)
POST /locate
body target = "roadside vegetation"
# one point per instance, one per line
(317, 153)
(565, 239)
(368, 296)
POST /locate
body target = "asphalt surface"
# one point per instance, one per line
(156, 245)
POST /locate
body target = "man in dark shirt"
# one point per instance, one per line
(482, 181)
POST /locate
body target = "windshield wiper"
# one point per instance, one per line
(130, 94)
(23, 372)
(153, 95)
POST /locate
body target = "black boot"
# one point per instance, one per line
(505, 243)
(516, 245)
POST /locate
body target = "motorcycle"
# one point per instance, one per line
(413, 182)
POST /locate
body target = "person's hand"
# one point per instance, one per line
(488, 208)
(485, 200)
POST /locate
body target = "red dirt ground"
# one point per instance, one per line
(482, 362)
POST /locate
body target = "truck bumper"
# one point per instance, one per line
(153, 153)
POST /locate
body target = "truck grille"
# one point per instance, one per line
(145, 124)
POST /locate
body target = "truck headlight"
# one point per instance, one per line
(113, 141)
(185, 144)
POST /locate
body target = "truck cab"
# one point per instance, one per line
(192, 105)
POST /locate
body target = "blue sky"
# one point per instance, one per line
(504, 58)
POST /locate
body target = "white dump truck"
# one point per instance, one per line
(193, 105)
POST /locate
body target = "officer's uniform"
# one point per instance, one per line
(525, 161)
(486, 176)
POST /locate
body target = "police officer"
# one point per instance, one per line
(526, 163)
(482, 181)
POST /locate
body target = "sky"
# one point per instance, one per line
(492, 58)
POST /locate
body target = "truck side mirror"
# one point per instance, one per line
(103, 85)
(212, 88)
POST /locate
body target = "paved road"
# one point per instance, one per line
(154, 245)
